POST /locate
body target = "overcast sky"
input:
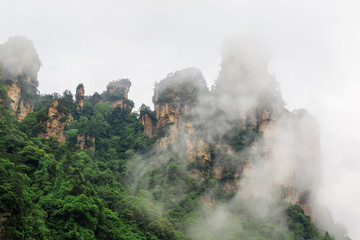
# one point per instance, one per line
(315, 45)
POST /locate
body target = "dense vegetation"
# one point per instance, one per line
(50, 190)
(108, 180)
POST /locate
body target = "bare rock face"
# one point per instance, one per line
(197, 149)
(14, 94)
(117, 92)
(175, 96)
(287, 162)
(149, 123)
(123, 104)
(209, 200)
(19, 107)
(167, 113)
(56, 124)
(24, 110)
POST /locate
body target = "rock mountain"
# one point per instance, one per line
(236, 140)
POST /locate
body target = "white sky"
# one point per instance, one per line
(316, 59)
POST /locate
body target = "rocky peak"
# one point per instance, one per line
(121, 87)
(117, 94)
(21, 64)
(19, 57)
(244, 85)
(176, 94)
(175, 101)
(80, 95)
(229, 127)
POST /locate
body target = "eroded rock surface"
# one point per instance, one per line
(56, 123)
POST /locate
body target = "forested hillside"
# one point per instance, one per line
(76, 166)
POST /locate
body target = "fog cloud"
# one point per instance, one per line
(316, 59)
(281, 167)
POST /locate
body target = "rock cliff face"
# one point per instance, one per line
(240, 128)
(176, 94)
(188, 115)
(21, 64)
(123, 104)
(56, 124)
(175, 100)
(117, 93)
(14, 94)
(19, 107)
(149, 123)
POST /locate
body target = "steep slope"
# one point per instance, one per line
(56, 123)
(117, 94)
(237, 141)
(20, 64)
(229, 163)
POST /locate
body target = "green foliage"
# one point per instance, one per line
(66, 103)
(71, 136)
(24, 220)
(240, 136)
(3, 95)
(166, 98)
(28, 88)
(11, 187)
(50, 190)
(33, 124)
(146, 110)
(301, 226)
